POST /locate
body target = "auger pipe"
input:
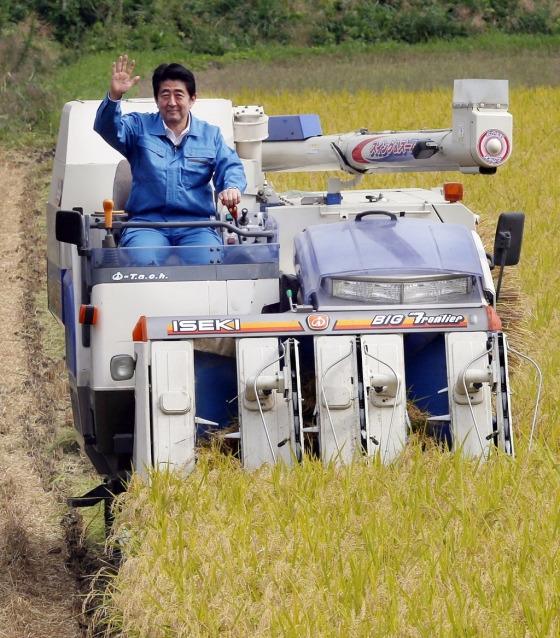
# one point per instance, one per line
(479, 141)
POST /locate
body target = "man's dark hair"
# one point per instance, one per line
(173, 71)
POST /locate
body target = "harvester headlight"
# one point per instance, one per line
(122, 367)
(399, 292)
(370, 291)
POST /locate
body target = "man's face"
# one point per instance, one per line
(174, 104)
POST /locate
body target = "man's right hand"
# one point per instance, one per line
(122, 80)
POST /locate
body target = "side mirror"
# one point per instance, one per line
(69, 227)
(508, 240)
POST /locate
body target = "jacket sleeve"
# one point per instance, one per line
(229, 171)
(109, 124)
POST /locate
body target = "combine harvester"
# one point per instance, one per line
(321, 318)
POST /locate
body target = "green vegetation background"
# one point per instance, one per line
(52, 51)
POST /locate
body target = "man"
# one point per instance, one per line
(173, 157)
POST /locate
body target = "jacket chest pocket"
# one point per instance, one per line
(197, 170)
(150, 162)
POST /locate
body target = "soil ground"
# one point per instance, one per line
(40, 541)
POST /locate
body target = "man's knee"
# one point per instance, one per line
(143, 237)
(198, 237)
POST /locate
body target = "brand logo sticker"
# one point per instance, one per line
(494, 146)
(185, 326)
(318, 322)
(135, 276)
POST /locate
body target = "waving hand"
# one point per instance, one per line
(122, 79)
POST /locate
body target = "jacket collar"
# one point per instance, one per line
(156, 126)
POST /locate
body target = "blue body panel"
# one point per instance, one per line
(70, 333)
(384, 247)
(283, 128)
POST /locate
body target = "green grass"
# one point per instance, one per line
(349, 68)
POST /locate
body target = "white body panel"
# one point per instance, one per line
(385, 386)
(120, 306)
(142, 457)
(470, 408)
(167, 435)
(265, 416)
(337, 398)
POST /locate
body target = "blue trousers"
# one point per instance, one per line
(156, 242)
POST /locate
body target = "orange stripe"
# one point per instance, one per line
(341, 324)
(270, 326)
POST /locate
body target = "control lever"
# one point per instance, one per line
(109, 239)
(244, 221)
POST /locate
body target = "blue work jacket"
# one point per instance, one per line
(167, 179)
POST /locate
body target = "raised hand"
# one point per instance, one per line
(122, 79)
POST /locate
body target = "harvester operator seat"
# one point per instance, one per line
(122, 184)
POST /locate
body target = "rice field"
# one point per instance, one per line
(433, 545)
